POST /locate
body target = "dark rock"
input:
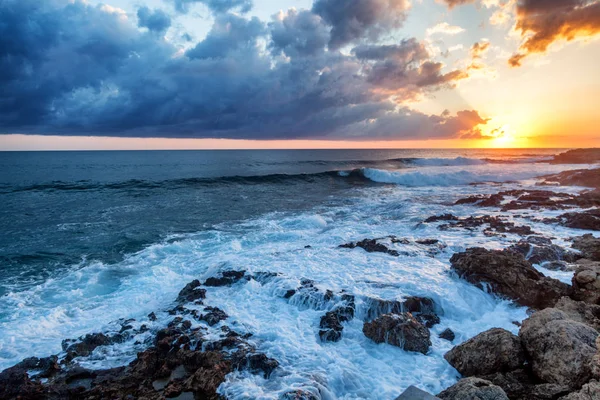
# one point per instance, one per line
(414, 393)
(422, 308)
(494, 224)
(589, 391)
(444, 217)
(401, 330)
(495, 350)
(299, 394)
(473, 389)
(508, 274)
(427, 242)
(213, 315)
(559, 349)
(191, 292)
(588, 245)
(371, 246)
(289, 294)
(577, 156)
(586, 282)
(259, 363)
(589, 220)
(447, 334)
(85, 345)
(537, 254)
(227, 278)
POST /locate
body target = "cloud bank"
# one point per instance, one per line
(71, 68)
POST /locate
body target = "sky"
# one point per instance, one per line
(210, 74)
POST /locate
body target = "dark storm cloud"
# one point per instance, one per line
(543, 22)
(80, 69)
(404, 69)
(298, 33)
(216, 6)
(157, 20)
(351, 20)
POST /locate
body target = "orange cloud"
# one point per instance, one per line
(543, 22)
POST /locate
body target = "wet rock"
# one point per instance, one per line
(16, 384)
(538, 254)
(589, 391)
(371, 246)
(495, 350)
(447, 334)
(494, 224)
(85, 345)
(559, 349)
(427, 242)
(577, 156)
(152, 317)
(289, 294)
(264, 277)
(256, 363)
(422, 308)
(401, 330)
(580, 311)
(586, 283)
(414, 393)
(588, 245)
(589, 220)
(473, 389)
(213, 315)
(299, 394)
(331, 323)
(191, 292)
(226, 278)
(508, 274)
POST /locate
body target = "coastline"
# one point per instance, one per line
(190, 358)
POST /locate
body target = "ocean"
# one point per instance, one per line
(89, 238)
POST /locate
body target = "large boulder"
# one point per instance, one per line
(588, 220)
(580, 311)
(578, 156)
(541, 253)
(588, 245)
(560, 350)
(521, 385)
(586, 282)
(508, 274)
(495, 350)
(401, 330)
(473, 389)
(589, 391)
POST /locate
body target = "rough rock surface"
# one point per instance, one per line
(580, 311)
(508, 274)
(577, 156)
(521, 385)
(447, 334)
(541, 253)
(559, 349)
(588, 245)
(589, 391)
(494, 225)
(586, 282)
(226, 278)
(401, 330)
(495, 350)
(371, 246)
(473, 389)
(423, 309)
(589, 220)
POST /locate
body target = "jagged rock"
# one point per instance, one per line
(559, 349)
(589, 391)
(447, 334)
(227, 278)
(331, 322)
(191, 292)
(371, 246)
(580, 311)
(422, 308)
(414, 393)
(401, 330)
(577, 156)
(299, 394)
(589, 220)
(586, 283)
(508, 274)
(495, 224)
(588, 245)
(495, 350)
(256, 363)
(538, 254)
(473, 389)
(85, 345)
(213, 315)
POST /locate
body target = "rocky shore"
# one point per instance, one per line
(555, 356)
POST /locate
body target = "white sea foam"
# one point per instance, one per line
(441, 162)
(88, 297)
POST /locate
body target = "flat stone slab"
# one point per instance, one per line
(414, 393)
